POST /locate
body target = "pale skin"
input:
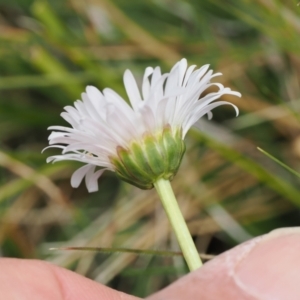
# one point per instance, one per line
(265, 268)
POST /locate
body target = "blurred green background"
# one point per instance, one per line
(228, 190)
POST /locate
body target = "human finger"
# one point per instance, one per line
(36, 280)
(265, 268)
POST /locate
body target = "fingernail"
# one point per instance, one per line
(268, 268)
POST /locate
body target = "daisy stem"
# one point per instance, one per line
(178, 223)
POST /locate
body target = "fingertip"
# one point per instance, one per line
(272, 269)
(264, 268)
(37, 280)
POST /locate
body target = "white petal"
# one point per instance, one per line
(92, 112)
(73, 122)
(96, 96)
(148, 118)
(122, 126)
(156, 76)
(132, 90)
(146, 82)
(209, 115)
(160, 113)
(172, 80)
(118, 101)
(91, 180)
(196, 75)
(79, 174)
(188, 74)
(56, 146)
(204, 111)
(88, 177)
(156, 93)
(97, 99)
(182, 70)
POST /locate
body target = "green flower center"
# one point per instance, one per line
(151, 158)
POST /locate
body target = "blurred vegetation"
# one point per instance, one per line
(228, 190)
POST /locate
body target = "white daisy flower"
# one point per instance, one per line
(143, 141)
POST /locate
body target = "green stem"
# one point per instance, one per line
(177, 221)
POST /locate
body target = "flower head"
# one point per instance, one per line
(143, 141)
